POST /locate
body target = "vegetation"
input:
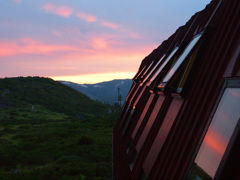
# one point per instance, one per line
(49, 131)
(24, 93)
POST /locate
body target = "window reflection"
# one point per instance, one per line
(150, 122)
(134, 94)
(124, 115)
(128, 121)
(188, 67)
(218, 135)
(134, 158)
(161, 135)
(163, 65)
(180, 60)
(131, 90)
(147, 70)
(139, 72)
(150, 73)
(139, 96)
(142, 116)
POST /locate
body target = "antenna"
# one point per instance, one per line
(119, 99)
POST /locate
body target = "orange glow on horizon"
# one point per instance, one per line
(95, 78)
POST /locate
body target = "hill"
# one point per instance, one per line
(42, 95)
(106, 92)
(51, 131)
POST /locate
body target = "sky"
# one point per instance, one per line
(85, 41)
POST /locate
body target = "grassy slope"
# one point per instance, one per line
(67, 150)
(46, 95)
(52, 141)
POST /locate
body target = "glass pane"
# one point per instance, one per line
(181, 58)
(134, 93)
(128, 121)
(162, 135)
(185, 74)
(139, 72)
(134, 158)
(130, 92)
(144, 112)
(147, 69)
(153, 69)
(143, 69)
(190, 60)
(129, 146)
(124, 114)
(150, 122)
(219, 133)
(163, 65)
(142, 90)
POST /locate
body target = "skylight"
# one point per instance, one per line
(163, 65)
(153, 68)
(147, 69)
(180, 60)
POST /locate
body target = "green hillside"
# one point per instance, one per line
(50, 131)
(35, 96)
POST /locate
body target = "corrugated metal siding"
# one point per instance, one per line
(218, 58)
(162, 135)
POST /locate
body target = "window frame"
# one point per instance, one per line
(139, 73)
(190, 61)
(124, 115)
(128, 121)
(229, 83)
(159, 84)
(142, 77)
(152, 70)
(164, 62)
(133, 160)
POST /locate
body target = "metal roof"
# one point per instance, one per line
(164, 121)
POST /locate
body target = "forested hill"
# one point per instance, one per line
(51, 131)
(44, 95)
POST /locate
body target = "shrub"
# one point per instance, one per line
(84, 140)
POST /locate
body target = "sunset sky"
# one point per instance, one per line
(85, 41)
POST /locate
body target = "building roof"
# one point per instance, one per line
(174, 99)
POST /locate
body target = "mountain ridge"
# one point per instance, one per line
(105, 92)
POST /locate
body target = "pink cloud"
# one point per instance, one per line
(99, 43)
(131, 34)
(56, 33)
(17, 1)
(31, 46)
(62, 60)
(58, 10)
(86, 17)
(109, 25)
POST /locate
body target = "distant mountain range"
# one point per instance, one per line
(106, 92)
